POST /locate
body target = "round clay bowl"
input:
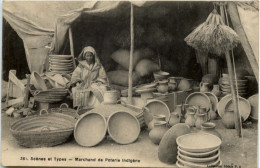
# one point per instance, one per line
(253, 100)
(198, 142)
(90, 129)
(199, 160)
(198, 155)
(183, 163)
(123, 127)
(38, 82)
(160, 75)
(156, 107)
(59, 60)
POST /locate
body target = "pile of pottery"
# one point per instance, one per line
(61, 64)
(226, 87)
(146, 90)
(198, 150)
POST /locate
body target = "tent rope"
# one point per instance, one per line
(234, 68)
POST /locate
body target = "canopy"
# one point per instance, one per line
(44, 25)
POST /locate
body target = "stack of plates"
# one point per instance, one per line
(226, 88)
(198, 150)
(61, 64)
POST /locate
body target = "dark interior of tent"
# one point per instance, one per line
(161, 27)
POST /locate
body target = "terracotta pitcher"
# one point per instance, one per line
(155, 119)
(190, 120)
(156, 134)
(228, 119)
(216, 90)
(175, 118)
(204, 87)
(201, 118)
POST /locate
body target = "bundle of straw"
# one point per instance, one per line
(213, 36)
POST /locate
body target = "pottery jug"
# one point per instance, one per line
(156, 134)
(212, 115)
(185, 84)
(155, 119)
(178, 109)
(201, 118)
(162, 88)
(216, 90)
(175, 118)
(172, 86)
(204, 87)
(189, 110)
(209, 127)
(228, 119)
(190, 120)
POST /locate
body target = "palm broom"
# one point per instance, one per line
(213, 36)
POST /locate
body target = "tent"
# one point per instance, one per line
(43, 26)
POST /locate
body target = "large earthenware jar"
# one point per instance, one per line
(228, 119)
(209, 127)
(175, 118)
(185, 84)
(156, 134)
(190, 120)
(155, 119)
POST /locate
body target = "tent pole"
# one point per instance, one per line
(130, 76)
(234, 15)
(234, 95)
(72, 47)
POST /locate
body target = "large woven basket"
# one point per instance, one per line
(43, 130)
(49, 96)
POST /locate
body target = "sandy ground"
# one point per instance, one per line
(234, 151)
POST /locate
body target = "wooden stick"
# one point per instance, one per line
(234, 95)
(72, 47)
(130, 80)
(26, 101)
(234, 15)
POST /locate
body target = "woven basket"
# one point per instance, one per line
(43, 130)
(64, 109)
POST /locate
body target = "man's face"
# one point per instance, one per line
(89, 57)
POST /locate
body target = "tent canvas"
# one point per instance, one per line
(44, 25)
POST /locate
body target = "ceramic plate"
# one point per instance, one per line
(199, 154)
(156, 107)
(145, 90)
(182, 163)
(90, 129)
(199, 160)
(228, 87)
(229, 90)
(198, 99)
(123, 127)
(198, 142)
(59, 61)
(62, 57)
(253, 100)
(213, 99)
(239, 82)
(244, 107)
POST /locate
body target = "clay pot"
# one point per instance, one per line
(204, 87)
(156, 134)
(189, 110)
(210, 78)
(111, 97)
(172, 80)
(228, 119)
(162, 88)
(201, 118)
(209, 127)
(175, 118)
(178, 109)
(190, 120)
(216, 90)
(155, 119)
(160, 75)
(172, 86)
(185, 84)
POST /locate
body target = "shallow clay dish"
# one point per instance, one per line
(156, 107)
(199, 160)
(90, 129)
(38, 82)
(244, 107)
(123, 127)
(61, 57)
(145, 90)
(200, 154)
(59, 60)
(184, 163)
(198, 99)
(213, 99)
(253, 100)
(198, 142)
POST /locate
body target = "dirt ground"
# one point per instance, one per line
(235, 151)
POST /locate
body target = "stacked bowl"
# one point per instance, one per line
(226, 87)
(61, 64)
(198, 150)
